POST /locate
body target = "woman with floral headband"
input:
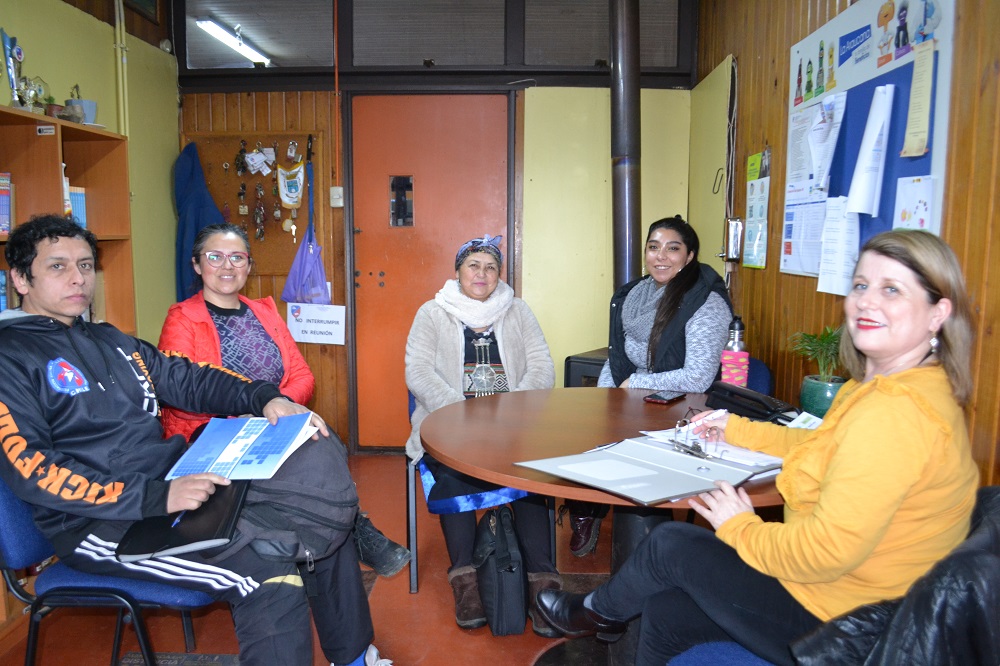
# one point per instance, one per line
(478, 309)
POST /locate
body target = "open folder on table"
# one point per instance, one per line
(645, 470)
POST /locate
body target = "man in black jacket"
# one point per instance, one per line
(78, 408)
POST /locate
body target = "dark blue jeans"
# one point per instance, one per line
(691, 588)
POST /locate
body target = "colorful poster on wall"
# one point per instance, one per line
(840, 72)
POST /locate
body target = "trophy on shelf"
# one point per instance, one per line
(13, 56)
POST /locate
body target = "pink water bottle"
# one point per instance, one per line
(735, 359)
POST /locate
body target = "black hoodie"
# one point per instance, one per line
(79, 427)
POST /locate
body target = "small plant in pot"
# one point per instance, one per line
(819, 390)
(51, 108)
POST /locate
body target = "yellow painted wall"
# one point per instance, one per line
(65, 46)
(153, 149)
(567, 257)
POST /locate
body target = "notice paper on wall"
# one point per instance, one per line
(840, 248)
(918, 114)
(866, 185)
(802, 230)
(914, 203)
(321, 324)
(758, 196)
(823, 134)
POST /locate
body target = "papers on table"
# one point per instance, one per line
(722, 450)
(244, 448)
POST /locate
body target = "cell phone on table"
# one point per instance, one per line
(665, 397)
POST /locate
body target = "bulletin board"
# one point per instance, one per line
(873, 43)
(217, 151)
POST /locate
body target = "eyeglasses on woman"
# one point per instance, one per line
(236, 259)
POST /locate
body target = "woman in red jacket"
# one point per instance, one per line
(219, 325)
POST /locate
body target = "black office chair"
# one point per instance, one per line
(759, 377)
(58, 586)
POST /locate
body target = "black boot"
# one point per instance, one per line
(567, 614)
(375, 550)
(536, 583)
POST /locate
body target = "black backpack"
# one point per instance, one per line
(302, 514)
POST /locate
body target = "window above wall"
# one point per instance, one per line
(403, 44)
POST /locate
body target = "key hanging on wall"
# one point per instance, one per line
(243, 209)
(241, 158)
(258, 219)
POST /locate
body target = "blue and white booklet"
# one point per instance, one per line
(244, 448)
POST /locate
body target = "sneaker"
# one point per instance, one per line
(373, 658)
(370, 658)
(375, 550)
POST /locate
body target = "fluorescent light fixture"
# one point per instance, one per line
(232, 40)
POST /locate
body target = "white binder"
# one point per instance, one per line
(645, 471)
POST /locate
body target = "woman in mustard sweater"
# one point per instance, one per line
(874, 497)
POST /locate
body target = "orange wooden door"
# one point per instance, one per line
(455, 149)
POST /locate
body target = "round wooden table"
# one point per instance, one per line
(486, 436)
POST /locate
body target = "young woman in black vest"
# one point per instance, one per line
(668, 329)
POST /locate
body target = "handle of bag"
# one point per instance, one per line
(311, 229)
(505, 527)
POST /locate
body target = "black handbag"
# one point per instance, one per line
(503, 582)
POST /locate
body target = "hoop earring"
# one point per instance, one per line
(935, 343)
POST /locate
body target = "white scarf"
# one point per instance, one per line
(473, 313)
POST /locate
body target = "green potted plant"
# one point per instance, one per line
(819, 390)
(51, 108)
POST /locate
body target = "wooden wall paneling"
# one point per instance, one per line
(971, 210)
(222, 118)
(776, 305)
(218, 110)
(135, 24)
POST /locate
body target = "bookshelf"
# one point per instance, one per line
(33, 149)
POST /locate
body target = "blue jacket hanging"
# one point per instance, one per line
(195, 210)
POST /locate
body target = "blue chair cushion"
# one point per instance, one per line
(719, 653)
(60, 575)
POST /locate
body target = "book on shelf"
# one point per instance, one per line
(67, 204)
(3, 290)
(78, 204)
(6, 210)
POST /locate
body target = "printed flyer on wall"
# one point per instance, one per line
(758, 195)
